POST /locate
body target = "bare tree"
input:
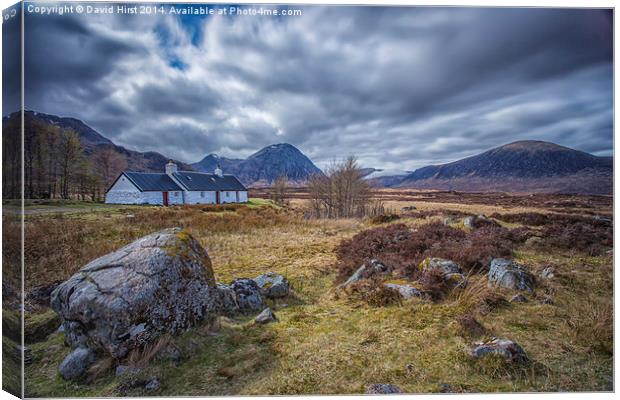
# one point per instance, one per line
(109, 163)
(341, 192)
(279, 190)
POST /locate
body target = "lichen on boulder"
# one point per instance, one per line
(161, 283)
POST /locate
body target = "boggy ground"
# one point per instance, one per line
(328, 342)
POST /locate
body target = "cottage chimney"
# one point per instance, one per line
(171, 168)
(218, 171)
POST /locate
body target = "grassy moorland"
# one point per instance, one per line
(330, 341)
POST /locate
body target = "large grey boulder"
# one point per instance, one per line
(372, 268)
(161, 283)
(77, 363)
(248, 296)
(510, 275)
(508, 349)
(272, 285)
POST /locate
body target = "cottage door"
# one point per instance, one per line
(217, 197)
(165, 198)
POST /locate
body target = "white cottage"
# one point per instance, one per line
(176, 187)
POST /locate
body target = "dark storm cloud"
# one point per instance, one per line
(398, 87)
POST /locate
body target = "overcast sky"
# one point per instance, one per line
(399, 87)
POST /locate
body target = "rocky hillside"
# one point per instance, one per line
(94, 142)
(524, 166)
(265, 166)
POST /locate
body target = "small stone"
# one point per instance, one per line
(408, 208)
(382, 388)
(511, 275)
(534, 240)
(407, 291)
(248, 295)
(410, 367)
(547, 273)
(446, 388)
(547, 300)
(272, 285)
(508, 349)
(374, 267)
(518, 298)
(470, 222)
(123, 370)
(152, 385)
(77, 363)
(266, 316)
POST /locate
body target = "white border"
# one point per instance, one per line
(479, 3)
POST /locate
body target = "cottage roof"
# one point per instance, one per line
(200, 181)
(193, 181)
(152, 182)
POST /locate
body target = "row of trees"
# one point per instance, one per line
(55, 164)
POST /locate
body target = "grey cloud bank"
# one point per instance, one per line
(398, 87)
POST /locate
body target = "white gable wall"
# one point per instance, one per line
(123, 192)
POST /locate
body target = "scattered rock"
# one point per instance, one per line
(508, 349)
(382, 388)
(473, 222)
(227, 300)
(449, 221)
(604, 220)
(272, 285)
(408, 208)
(518, 298)
(470, 222)
(533, 241)
(77, 363)
(374, 267)
(406, 291)
(152, 385)
(547, 300)
(161, 283)
(266, 316)
(446, 266)
(511, 275)
(247, 295)
(451, 271)
(547, 273)
(123, 370)
(446, 388)
(410, 367)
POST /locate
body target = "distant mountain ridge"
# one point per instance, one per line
(265, 166)
(523, 166)
(94, 142)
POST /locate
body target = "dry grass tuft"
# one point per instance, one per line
(142, 356)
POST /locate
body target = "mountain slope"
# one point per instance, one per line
(524, 166)
(265, 166)
(93, 143)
